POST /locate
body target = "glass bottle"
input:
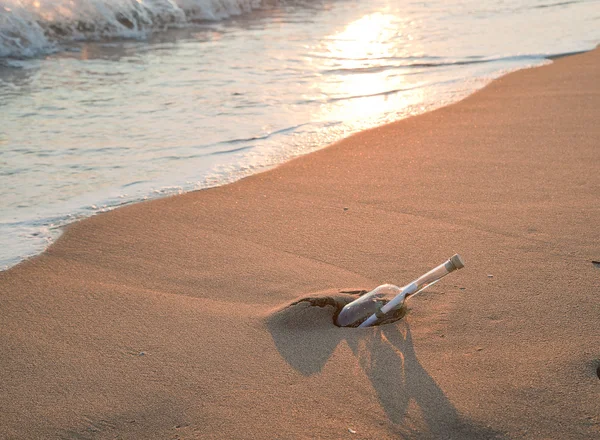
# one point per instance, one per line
(381, 301)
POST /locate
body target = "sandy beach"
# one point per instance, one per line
(209, 315)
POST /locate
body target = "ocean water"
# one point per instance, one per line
(109, 102)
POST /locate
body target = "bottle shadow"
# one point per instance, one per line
(306, 337)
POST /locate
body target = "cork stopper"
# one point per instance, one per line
(457, 261)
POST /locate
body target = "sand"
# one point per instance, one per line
(206, 315)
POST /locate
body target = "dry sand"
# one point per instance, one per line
(174, 318)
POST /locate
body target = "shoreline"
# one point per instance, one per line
(42, 231)
(176, 313)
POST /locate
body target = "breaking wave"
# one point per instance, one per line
(33, 27)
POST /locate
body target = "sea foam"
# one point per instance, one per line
(33, 27)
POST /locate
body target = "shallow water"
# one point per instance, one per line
(91, 121)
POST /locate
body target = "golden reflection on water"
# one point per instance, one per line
(369, 37)
(363, 78)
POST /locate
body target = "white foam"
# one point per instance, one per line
(33, 27)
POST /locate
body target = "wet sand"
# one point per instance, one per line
(206, 315)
